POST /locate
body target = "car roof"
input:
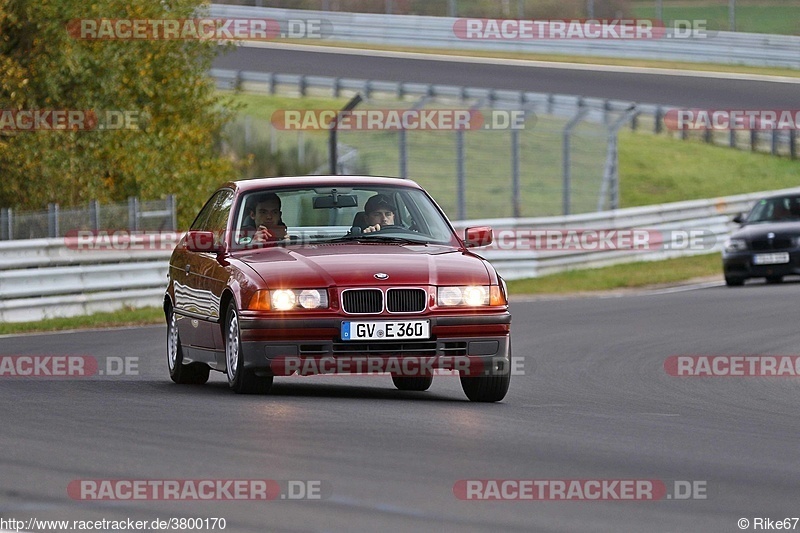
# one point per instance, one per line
(325, 181)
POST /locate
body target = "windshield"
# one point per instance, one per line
(782, 209)
(344, 213)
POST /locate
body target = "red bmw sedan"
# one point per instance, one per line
(335, 274)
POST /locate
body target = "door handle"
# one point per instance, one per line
(187, 269)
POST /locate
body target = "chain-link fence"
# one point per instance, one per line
(538, 159)
(134, 215)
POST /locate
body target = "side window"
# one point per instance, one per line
(220, 212)
(214, 215)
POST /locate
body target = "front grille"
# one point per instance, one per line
(778, 243)
(396, 349)
(362, 301)
(454, 348)
(406, 300)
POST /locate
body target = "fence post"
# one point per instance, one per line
(774, 143)
(52, 220)
(565, 161)
(658, 117)
(133, 213)
(732, 138)
(753, 140)
(461, 210)
(301, 148)
(94, 214)
(793, 144)
(515, 189)
(402, 146)
(172, 207)
(4, 224)
(452, 9)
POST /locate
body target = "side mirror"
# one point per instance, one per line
(478, 236)
(739, 219)
(202, 241)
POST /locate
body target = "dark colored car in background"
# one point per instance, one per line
(329, 290)
(768, 243)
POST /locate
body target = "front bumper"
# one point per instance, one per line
(476, 345)
(739, 265)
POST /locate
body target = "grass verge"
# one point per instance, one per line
(123, 317)
(625, 276)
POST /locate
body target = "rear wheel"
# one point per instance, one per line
(774, 279)
(191, 374)
(420, 383)
(241, 380)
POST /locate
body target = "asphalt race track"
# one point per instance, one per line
(595, 402)
(669, 89)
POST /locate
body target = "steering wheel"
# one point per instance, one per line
(390, 229)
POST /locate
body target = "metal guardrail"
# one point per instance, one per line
(731, 48)
(44, 278)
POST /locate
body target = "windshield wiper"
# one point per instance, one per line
(377, 238)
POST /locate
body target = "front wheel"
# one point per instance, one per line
(241, 380)
(191, 374)
(733, 282)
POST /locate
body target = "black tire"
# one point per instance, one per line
(416, 383)
(241, 380)
(492, 388)
(774, 279)
(191, 374)
(733, 282)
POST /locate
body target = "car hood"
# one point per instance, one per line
(355, 264)
(761, 231)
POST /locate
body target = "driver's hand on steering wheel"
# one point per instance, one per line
(370, 229)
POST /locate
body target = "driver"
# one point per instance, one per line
(379, 211)
(264, 222)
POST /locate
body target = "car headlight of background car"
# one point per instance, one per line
(288, 299)
(470, 296)
(735, 245)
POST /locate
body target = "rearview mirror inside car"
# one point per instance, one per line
(335, 201)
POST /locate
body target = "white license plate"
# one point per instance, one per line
(386, 330)
(771, 259)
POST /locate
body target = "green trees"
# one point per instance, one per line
(162, 85)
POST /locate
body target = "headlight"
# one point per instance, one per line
(472, 295)
(288, 299)
(735, 245)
